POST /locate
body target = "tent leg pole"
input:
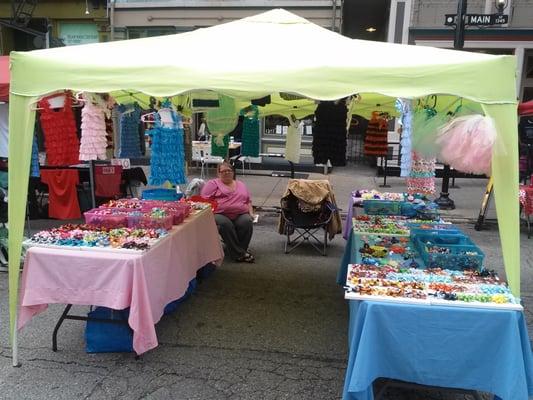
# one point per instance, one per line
(91, 181)
(14, 345)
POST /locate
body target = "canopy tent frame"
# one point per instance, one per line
(342, 68)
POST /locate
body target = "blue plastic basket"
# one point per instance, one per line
(433, 229)
(382, 207)
(456, 259)
(161, 194)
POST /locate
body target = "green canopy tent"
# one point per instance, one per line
(250, 58)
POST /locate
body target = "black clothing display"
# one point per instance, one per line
(329, 133)
(236, 133)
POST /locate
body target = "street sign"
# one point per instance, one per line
(478, 19)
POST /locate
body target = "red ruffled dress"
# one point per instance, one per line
(59, 127)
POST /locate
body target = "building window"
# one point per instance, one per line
(143, 32)
(277, 125)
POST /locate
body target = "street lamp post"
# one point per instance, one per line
(444, 200)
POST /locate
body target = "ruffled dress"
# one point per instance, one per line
(34, 166)
(59, 129)
(93, 132)
(167, 162)
(405, 107)
(250, 133)
(376, 137)
(129, 120)
(329, 133)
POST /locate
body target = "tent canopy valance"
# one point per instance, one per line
(268, 53)
(272, 52)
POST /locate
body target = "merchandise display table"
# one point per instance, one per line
(353, 203)
(468, 348)
(144, 282)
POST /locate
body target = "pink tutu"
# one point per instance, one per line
(466, 144)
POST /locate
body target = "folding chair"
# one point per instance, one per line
(306, 225)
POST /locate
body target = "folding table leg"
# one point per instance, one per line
(58, 325)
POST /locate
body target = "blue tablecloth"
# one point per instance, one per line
(468, 348)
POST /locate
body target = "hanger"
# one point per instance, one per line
(56, 94)
(143, 117)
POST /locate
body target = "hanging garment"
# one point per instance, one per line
(466, 144)
(250, 131)
(293, 141)
(62, 193)
(93, 142)
(421, 179)
(4, 130)
(237, 132)
(59, 129)
(167, 162)
(34, 166)
(425, 126)
(187, 141)
(130, 146)
(376, 137)
(107, 180)
(329, 133)
(220, 151)
(405, 107)
(115, 118)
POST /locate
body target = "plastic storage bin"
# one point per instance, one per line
(462, 252)
(161, 194)
(117, 219)
(179, 213)
(382, 207)
(148, 222)
(107, 337)
(433, 229)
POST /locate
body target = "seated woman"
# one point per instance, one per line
(234, 212)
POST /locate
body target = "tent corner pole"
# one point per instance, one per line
(14, 346)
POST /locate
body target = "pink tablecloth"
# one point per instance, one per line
(145, 282)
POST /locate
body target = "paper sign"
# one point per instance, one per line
(123, 162)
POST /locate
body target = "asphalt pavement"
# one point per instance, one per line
(276, 329)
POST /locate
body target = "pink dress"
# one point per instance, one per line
(93, 132)
(230, 203)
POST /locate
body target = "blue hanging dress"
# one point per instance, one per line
(168, 155)
(130, 144)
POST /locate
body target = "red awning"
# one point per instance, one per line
(4, 78)
(525, 108)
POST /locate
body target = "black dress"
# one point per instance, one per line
(329, 133)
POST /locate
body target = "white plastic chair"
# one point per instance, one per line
(203, 156)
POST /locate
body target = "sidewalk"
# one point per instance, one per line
(270, 330)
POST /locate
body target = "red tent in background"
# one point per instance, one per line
(525, 108)
(4, 78)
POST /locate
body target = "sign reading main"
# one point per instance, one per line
(478, 19)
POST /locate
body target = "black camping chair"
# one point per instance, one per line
(306, 225)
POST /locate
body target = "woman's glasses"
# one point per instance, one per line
(225, 171)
